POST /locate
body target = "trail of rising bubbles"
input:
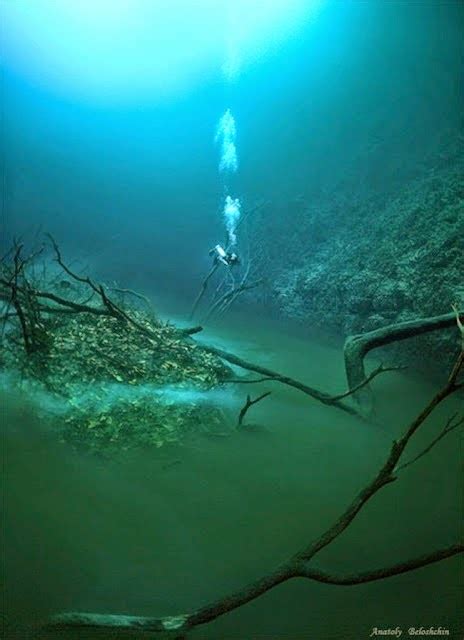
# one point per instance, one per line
(226, 131)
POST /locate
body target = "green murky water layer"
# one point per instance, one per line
(162, 530)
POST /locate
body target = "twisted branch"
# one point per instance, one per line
(451, 424)
(321, 396)
(299, 564)
(358, 346)
(385, 572)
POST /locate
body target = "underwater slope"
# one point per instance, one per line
(372, 261)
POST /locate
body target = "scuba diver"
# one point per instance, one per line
(228, 258)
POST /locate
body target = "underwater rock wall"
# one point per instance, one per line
(364, 261)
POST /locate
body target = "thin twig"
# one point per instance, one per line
(380, 369)
(136, 295)
(247, 381)
(249, 403)
(215, 266)
(384, 572)
(448, 428)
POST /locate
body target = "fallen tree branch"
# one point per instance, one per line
(215, 266)
(450, 426)
(18, 267)
(357, 347)
(178, 626)
(459, 323)
(277, 378)
(204, 286)
(63, 302)
(384, 572)
(229, 297)
(112, 308)
(15, 294)
(299, 564)
(380, 369)
(249, 403)
(136, 294)
(323, 397)
(76, 306)
(246, 380)
(8, 315)
(21, 297)
(190, 331)
(43, 309)
(169, 627)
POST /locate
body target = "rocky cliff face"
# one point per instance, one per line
(365, 261)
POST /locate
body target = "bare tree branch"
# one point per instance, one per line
(356, 347)
(140, 296)
(322, 396)
(246, 380)
(190, 331)
(384, 572)
(298, 565)
(380, 369)
(112, 308)
(450, 426)
(249, 403)
(228, 298)
(215, 266)
(204, 286)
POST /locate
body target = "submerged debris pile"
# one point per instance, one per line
(106, 366)
(85, 348)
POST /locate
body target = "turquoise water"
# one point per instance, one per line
(163, 532)
(142, 134)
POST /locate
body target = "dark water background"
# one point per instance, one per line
(134, 188)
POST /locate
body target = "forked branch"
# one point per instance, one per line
(358, 346)
(249, 403)
(300, 564)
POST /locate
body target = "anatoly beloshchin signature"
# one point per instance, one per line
(412, 631)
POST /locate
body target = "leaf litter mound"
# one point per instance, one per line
(120, 388)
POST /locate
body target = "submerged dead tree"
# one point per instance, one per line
(232, 277)
(93, 344)
(358, 346)
(249, 403)
(29, 301)
(270, 375)
(300, 565)
(18, 294)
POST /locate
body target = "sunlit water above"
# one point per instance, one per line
(164, 49)
(109, 119)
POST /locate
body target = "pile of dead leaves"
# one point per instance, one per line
(86, 353)
(99, 348)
